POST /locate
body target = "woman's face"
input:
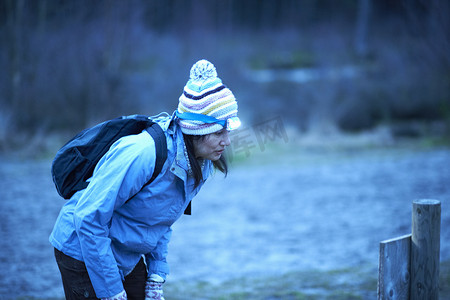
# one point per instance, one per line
(212, 145)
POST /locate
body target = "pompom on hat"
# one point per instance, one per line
(206, 105)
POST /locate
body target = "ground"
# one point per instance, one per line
(289, 222)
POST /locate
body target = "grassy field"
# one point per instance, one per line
(342, 284)
(235, 249)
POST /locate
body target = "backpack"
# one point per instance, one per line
(74, 163)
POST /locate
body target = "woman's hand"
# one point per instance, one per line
(153, 288)
(120, 296)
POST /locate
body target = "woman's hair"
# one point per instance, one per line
(220, 164)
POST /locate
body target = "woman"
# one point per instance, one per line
(111, 238)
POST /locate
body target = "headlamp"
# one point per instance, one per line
(230, 124)
(233, 123)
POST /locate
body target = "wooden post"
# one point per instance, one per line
(394, 269)
(425, 247)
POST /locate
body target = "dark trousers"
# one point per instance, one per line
(77, 284)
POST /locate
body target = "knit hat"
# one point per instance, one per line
(206, 103)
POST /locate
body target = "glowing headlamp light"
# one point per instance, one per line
(230, 123)
(233, 123)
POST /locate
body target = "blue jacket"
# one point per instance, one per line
(112, 223)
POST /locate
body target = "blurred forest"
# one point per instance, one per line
(322, 65)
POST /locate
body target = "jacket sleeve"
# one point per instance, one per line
(119, 175)
(156, 260)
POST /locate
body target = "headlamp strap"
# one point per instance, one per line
(200, 117)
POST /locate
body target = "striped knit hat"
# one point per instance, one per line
(205, 94)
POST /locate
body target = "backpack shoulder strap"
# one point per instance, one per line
(161, 154)
(159, 137)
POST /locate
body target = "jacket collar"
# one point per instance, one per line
(181, 166)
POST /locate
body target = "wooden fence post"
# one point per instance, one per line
(394, 269)
(425, 248)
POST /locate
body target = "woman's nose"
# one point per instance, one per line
(226, 139)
